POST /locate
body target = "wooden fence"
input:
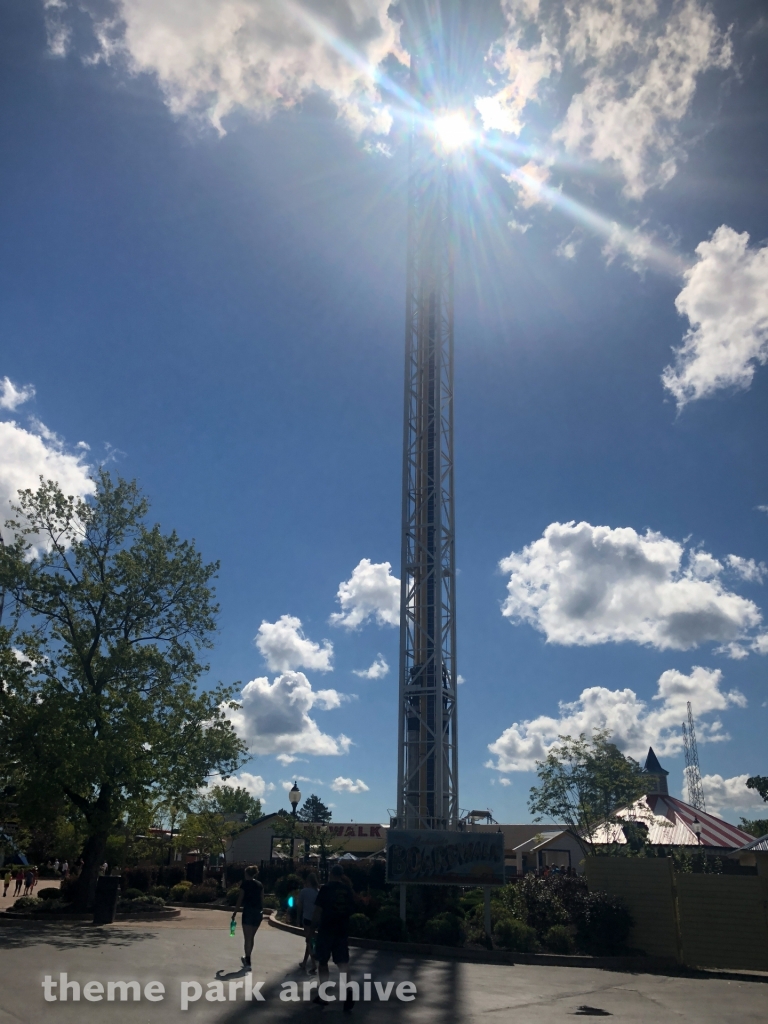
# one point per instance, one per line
(700, 920)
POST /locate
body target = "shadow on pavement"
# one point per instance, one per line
(64, 936)
(438, 993)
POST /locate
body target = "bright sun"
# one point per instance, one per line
(453, 131)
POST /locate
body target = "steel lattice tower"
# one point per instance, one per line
(692, 770)
(427, 733)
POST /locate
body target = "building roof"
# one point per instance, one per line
(756, 846)
(669, 822)
(652, 766)
(539, 841)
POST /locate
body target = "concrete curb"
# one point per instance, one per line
(9, 916)
(627, 964)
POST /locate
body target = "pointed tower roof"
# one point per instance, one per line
(652, 766)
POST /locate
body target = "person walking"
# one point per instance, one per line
(305, 908)
(334, 906)
(29, 878)
(6, 883)
(19, 882)
(251, 899)
(64, 869)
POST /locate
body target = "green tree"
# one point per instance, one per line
(108, 617)
(236, 800)
(207, 829)
(760, 783)
(313, 809)
(757, 827)
(582, 782)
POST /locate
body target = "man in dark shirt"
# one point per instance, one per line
(334, 906)
(251, 899)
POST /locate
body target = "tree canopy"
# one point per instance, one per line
(236, 800)
(582, 783)
(313, 809)
(100, 660)
(760, 783)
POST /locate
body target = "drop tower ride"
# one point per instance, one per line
(427, 795)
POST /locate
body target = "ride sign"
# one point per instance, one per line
(436, 857)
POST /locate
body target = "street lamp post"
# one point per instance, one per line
(294, 796)
(696, 826)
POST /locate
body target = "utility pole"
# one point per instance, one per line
(427, 795)
(692, 770)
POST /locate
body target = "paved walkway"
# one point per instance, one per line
(197, 947)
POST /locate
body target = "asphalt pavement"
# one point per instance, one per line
(194, 955)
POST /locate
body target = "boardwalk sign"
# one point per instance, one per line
(445, 858)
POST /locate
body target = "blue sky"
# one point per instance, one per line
(202, 278)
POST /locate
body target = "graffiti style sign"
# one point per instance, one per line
(445, 858)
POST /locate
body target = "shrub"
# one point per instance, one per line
(143, 902)
(200, 894)
(138, 878)
(28, 903)
(180, 890)
(271, 902)
(232, 894)
(211, 882)
(509, 933)
(359, 925)
(558, 939)
(133, 894)
(54, 907)
(446, 929)
(603, 923)
(172, 874)
(49, 893)
(387, 925)
(160, 890)
(538, 902)
(287, 884)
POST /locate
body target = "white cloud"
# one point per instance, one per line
(530, 180)
(213, 57)
(631, 722)
(58, 33)
(729, 794)
(342, 785)
(725, 299)
(274, 718)
(524, 69)
(377, 670)
(641, 71)
(505, 782)
(255, 785)
(747, 568)
(284, 647)
(26, 456)
(583, 584)
(12, 397)
(371, 592)
(635, 70)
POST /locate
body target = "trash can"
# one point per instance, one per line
(105, 902)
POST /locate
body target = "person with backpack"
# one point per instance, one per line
(334, 906)
(251, 899)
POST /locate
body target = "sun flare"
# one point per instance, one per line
(453, 131)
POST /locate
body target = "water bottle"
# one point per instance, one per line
(232, 927)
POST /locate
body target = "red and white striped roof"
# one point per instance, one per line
(670, 822)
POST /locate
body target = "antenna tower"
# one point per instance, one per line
(692, 770)
(427, 794)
